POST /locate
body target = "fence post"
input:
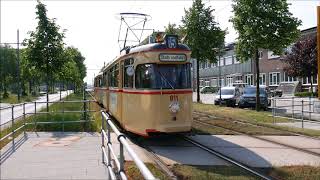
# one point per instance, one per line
(109, 142)
(302, 113)
(121, 159)
(85, 107)
(273, 110)
(35, 113)
(24, 119)
(12, 125)
(309, 108)
(63, 116)
(102, 137)
(293, 108)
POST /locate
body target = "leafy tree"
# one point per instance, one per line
(263, 24)
(202, 34)
(173, 29)
(29, 74)
(8, 61)
(74, 69)
(45, 46)
(302, 60)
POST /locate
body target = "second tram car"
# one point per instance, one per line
(147, 89)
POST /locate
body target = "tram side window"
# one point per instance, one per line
(104, 83)
(113, 76)
(128, 80)
(145, 76)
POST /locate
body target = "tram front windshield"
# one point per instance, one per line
(163, 76)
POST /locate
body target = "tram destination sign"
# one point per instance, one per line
(173, 57)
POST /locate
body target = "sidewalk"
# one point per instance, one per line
(56, 156)
(6, 114)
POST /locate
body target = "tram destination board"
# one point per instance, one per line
(173, 57)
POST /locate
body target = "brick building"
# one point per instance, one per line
(231, 70)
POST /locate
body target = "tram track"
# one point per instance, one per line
(155, 158)
(259, 138)
(256, 125)
(228, 159)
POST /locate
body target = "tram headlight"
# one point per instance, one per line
(174, 107)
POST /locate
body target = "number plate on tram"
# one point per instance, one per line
(173, 57)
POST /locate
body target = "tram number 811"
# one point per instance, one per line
(173, 98)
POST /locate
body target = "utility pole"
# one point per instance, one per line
(318, 46)
(18, 66)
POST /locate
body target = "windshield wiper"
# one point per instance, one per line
(162, 76)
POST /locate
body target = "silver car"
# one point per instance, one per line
(230, 96)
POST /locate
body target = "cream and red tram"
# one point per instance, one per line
(148, 89)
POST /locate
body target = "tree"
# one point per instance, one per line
(74, 69)
(202, 35)
(263, 24)
(7, 68)
(173, 29)
(302, 60)
(45, 46)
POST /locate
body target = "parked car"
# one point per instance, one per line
(248, 98)
(230, 96)
(208, 89)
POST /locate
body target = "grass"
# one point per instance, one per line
(13, 99)
(296, 172)
(188, 172)
(261, 118)
(91, 126)
(134, 173)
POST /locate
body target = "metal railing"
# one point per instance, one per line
(17, 108)
(296, 109)
(110, 158)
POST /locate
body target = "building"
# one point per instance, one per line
(231, 70)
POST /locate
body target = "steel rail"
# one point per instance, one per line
(226, 158)
(258, 125)
(161, 164)
(263, 139)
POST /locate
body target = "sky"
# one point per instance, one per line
(93, 26)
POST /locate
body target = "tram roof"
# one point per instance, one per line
(145, 48)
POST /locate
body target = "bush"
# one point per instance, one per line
(305, 94)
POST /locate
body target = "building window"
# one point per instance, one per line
(202, 83)
(229, 81)
(207, 83)
(235, 60)
(222, 81)
(214, 82)
(228, 60)
(274, 78)
(287, 78)
(205, 64)
(306, 81)
(271, 55)
(262, 80)
(249, 79)
(260, 54)
(221, 61)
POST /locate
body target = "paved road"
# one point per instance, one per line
(6, 114)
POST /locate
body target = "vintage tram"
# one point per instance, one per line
(147, 89)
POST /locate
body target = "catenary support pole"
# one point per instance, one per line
(318, 46)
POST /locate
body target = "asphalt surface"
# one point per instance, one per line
(6, 114)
